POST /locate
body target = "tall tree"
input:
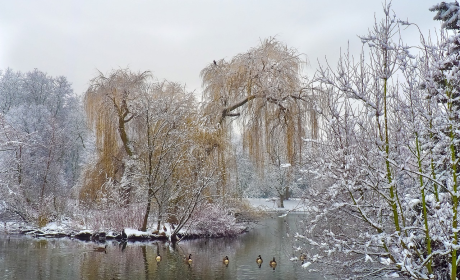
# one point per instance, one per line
(110, 106)
(263, 88)
(43, 134)
(166, 119)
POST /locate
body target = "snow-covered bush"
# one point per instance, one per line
(215, 221)
(113, 218)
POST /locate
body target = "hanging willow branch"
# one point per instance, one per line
(108, 107)
(263, 88)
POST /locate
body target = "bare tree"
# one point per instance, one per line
(43, 136)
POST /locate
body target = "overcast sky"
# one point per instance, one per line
(176, 39)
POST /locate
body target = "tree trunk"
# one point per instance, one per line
(159, 222)
(20, 166)
(281, 201)
(393, 190)
(454, 187)
(124, 135)
(425, 215)
(147, 211)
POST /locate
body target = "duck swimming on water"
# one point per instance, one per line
(259, 260)
(273, 263)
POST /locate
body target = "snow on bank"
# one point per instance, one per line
(135, 233)
(212, 223)
(272, 204)
(71, 230)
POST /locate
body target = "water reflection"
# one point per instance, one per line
(28, 258)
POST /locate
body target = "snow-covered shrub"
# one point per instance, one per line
(215, 221)
(115, 218)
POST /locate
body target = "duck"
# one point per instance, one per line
(123, 235)
(158, 258)
(303, 257)
(259, 260)
(189, 259)
(273, 263)
(100, 249)
(226, 260)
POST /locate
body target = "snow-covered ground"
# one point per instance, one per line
(272, 204)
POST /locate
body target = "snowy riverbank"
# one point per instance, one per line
(59, 230)
(67, 228)
(272, 205)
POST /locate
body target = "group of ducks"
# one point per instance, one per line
(187, 260)
(225, 261)
(272, 263)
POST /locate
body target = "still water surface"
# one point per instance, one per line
(29, 258)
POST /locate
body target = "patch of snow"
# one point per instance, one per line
(385, 261)
(368, 258)
(271, 204)
(414, 202)
(393, 275)
(297, 235)
(135, 233)
(294, 259)
(111, 234)
(305, 265)
(52, 226)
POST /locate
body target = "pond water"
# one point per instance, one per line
(31, 258)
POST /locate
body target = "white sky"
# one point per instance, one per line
(176, 39)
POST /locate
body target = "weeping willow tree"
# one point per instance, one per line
(263, 90)
(109, 108)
